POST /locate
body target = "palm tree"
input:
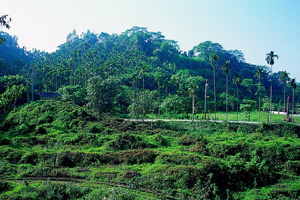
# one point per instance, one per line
(284, 77)
(143, 71)
(237, 81)
(192, 90)
(259, 72)
(270, 60)
(226, 69)
(213, 59)
(158, 78)
(293, 84)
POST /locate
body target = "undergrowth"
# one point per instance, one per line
(56, 150)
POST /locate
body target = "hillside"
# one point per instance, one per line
(57, 150)
(139, 61)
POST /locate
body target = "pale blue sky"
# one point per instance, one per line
(253, 26)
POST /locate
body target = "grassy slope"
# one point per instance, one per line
(51, 149)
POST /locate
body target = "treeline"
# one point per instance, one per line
(141, 72)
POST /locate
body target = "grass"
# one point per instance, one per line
(172, 160)
(255, 116)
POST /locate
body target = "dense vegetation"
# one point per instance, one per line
(76, 147)
(149, 73)
(56, 150)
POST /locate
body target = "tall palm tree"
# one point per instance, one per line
(259, 72)
(284, 78)
(270, 60)
(226, 68)
(294, 86)
(237, 81)
(158, 78)
(192, 90)
(213, 58)
(143, 71)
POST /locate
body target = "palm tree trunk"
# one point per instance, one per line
(159, 101)
(143, 96)
(259, 99)
(271, 95)
(226, 97)
(237, 103)
(215, 99)
(293, 105)
(193, 106)
(284, 97)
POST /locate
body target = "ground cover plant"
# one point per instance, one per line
(57, 150)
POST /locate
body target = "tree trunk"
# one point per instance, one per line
(32, 90)
(215, 99)
(259, 99)
(284, 97)
(143, 114)
(226, 97)
(293, 105)
(237, 103)
(271, 96)
(159, 100)
(193, 106)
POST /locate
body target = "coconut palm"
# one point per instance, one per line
(293, 84)
(213, 58)
(237, 81)
(284, 78)
(270, 60)
(259, 73)
(226, 68)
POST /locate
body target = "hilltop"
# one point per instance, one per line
(138, 60)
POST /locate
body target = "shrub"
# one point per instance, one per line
(5, 186)
(128, 141)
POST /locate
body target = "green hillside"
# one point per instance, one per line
(57, 150)
(144, 65)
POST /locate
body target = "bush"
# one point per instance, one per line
(5, 186)
(128, 141)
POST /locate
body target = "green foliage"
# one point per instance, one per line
(10, 96)
(11, 89)
(41, 115)
(101, 94)
(248, 106)
(58, 150)
(73, 93)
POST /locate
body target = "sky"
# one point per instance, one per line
(255, 27)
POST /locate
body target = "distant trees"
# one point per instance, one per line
(193, 85)
(237, 81)
(101, 94)
(226, 69)
(11, 89)
(293, 84)
(270, 60)
(4, 22)
(143, 71)
(259, 75)
(284, 78)
(88, 63)
(73, 93)
(213, 59)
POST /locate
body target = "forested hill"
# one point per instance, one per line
(138, 59)
(13, 58)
